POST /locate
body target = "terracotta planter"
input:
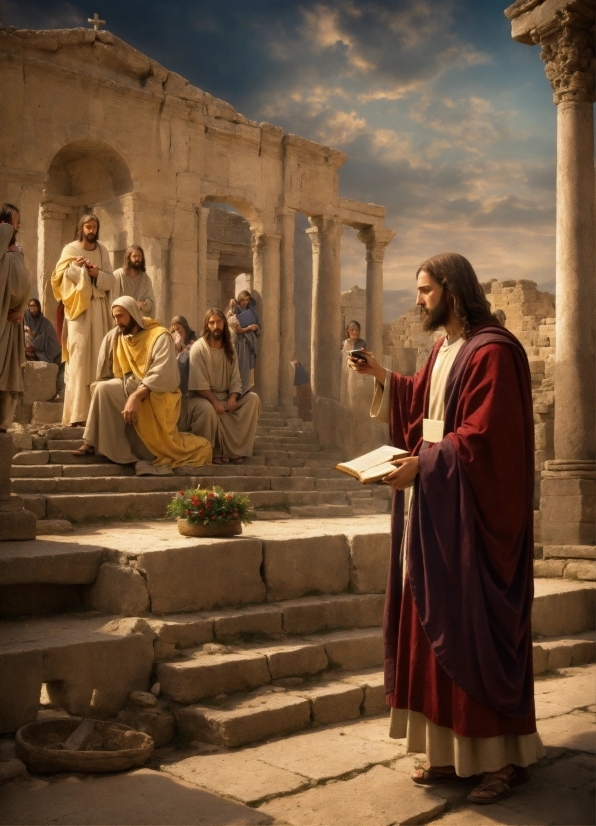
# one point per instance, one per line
(229, 529)
(112, 747)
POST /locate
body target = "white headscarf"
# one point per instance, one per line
(128, 303)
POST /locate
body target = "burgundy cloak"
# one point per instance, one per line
(458, 644)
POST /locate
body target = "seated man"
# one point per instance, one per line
(142, 389)
(214, 408)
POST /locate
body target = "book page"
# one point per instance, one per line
(376, 457)
(376, 472)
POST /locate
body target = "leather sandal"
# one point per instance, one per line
(84, 450)
(497, 784)
(431, 775)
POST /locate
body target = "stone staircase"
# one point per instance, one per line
(242, 639)
(289, 475)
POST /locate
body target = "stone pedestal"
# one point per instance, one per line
(376, 240)
(15, 521)
(568, 503)
(326, 333)
(565, 31)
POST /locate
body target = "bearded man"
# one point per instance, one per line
(83, 281)
(215, 406)
(136, 402)
(132, 279)
(458, 642)
(14, 289)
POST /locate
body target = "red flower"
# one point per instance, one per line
(235, 514)
(181, 492)
(201, 513)
(228, 495)
(208, 505)
(188, 513)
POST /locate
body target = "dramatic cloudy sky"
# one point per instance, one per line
(445, 120)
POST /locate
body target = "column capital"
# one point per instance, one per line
(323, 225)
(569, 55)
(285, 212)
(376, 240)
(260, 239)
(52, 211)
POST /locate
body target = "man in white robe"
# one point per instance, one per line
(215, 407)
(132, 279)
(14, 291)
(136, 402)
(83, 281)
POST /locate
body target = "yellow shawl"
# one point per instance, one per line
(157, 424)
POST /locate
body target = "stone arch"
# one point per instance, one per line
(84, 174)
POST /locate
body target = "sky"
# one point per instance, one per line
(446, 121)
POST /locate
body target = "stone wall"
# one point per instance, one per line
(353, 308)
(530, 315)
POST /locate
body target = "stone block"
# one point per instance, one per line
(237, 724)
(293, 483)
(204, 573)
(53, 527)
(549, 567)
(265, 621)
(296, 660)
(158, 723)
(49, 562)
(559, 533)
(31, 457)
(352, 650)
(585, 570)
(563, 611)
(576, 508)
(95, 677)
(334, 703)
(379, 796)
(39, 381)
(209, 675)
(47, 412)
(540, 658)
(35, 471)
(36, 504)
(294, 567)
(310, 615)
(119, 590)
(374, 699)
(369, 562)
(569, 551)
(15, 522)
(21, 437)
(183, 632)
(21, 676)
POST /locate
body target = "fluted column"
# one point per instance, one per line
(266, 289)
(565, 31)
(287, 219)
(49, 247)
(325, 236)
(376, 240)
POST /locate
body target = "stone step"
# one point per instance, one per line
(307, 615)
(51, 471)
(206, 675)
(563, 607)
(63, 444)
(273, 711)
(553, 653)
(151, 564)
(65, 432)
(78, 661)
(321, 511)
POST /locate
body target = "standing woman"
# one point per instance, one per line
(353, 340)
(248, 328)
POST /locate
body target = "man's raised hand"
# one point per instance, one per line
(367, 365)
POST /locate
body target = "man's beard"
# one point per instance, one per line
(127, 329)
(216, 335)
(90, 237)
(136, 265)
(435, 318)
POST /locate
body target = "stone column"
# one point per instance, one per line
(203, 215)
(565, 30)
(266, 275)
(376, 240)
(326, 334)
(49, 247)
(212, 282)
(287, 311)
(15, 521)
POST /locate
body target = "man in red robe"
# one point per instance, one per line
(458, 643)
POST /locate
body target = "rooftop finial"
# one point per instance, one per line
(96, 21)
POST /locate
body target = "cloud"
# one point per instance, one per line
(47, 16)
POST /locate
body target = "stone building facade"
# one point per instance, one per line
(88, 121)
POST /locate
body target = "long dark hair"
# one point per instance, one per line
(226, 338)
(129, 251)
(7, 211)
(89, 216)
(456, 275)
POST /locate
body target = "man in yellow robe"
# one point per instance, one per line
(83, 281)
(136, 402)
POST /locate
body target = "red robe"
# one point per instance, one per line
(458, 644)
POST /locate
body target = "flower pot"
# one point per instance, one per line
(187, 528)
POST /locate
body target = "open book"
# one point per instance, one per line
(373, 466)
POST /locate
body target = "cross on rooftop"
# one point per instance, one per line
(96, 21)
